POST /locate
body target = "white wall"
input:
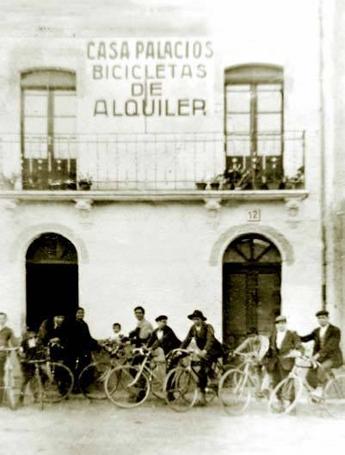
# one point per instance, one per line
(158, 256)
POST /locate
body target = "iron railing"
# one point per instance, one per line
(152, 161)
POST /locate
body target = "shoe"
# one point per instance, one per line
(316, 395)
(170, 396)
(260, 394)
(202, 400)
(140, 396)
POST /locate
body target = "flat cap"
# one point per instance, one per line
(322, 313)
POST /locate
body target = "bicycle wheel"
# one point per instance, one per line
(285, 395)
(181, 389)
(334, 396)
(124, 388)
(92, 379)
(11, 397)
(234, 392)
(57, 381)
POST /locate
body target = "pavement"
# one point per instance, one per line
(81, 427)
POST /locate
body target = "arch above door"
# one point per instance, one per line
(24, 239)
(281, 242)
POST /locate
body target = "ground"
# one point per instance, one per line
(99, 428)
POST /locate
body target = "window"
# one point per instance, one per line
(254, 124)
(48, 123)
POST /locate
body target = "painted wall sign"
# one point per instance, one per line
(149, 78)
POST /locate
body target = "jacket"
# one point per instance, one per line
(331, 345)
(47, 331)
(80, 340)
(204, 339)
(168, 342)
(275, 355)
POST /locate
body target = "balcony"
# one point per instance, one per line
(155, 164)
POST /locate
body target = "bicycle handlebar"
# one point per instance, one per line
(184, 351)
(9, 349)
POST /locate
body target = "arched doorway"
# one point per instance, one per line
(251, 287)
(51, 278)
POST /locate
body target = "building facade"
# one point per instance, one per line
(166, 155)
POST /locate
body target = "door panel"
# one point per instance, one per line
(251, 298)
(234, 319)
(51, 289)
(268, 305)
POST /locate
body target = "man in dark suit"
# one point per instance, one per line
(326, 350)
(210, 349)
(284, 346)
(163, 336)
(81, 343)
(54, 332)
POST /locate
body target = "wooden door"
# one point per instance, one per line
(251, 287)
(251, 298)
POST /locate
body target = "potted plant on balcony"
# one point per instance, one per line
(85, 183)
(296, 181)
(216, 182)
(70, 184)
(201, 185)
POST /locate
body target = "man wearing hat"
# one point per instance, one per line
(326, 350)
(163, 336)
(210, 349)
(283, 347)
(162, 341)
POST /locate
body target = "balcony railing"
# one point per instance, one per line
(152, 162)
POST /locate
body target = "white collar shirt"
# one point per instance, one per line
(280, 338)
(323, 330)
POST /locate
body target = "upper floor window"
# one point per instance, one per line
(48, 124)
(254, 123)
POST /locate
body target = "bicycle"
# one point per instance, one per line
(182, 382)
(128, 386)
(9, 390)
(289, 392)
(238, 385)
(92, 378)
(49, 382)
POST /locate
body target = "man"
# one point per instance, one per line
(209, 348)
(256, 346)
(80, 343)
(326, 351)
(7, 340)
(284, 346)
(54, 332)
(163, 336)
(141, 334)
(162, 341)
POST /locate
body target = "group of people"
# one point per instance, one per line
(275, 356)
(70, 341)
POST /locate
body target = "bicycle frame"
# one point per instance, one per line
(295, 370)
(144, 368)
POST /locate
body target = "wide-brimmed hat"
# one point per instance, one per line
(162, 317)
(197, 314)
